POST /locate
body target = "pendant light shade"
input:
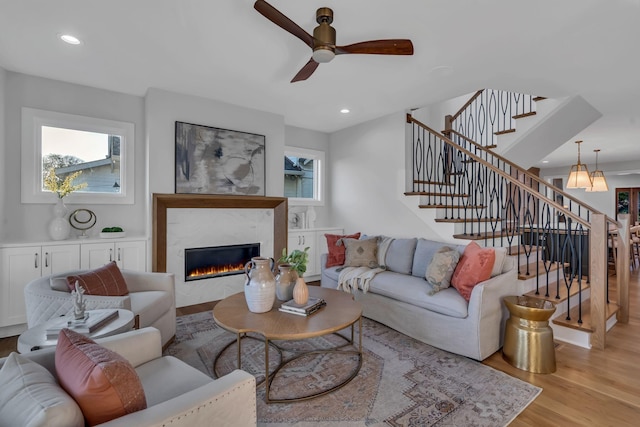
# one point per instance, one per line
(579, 174)
(598, 181)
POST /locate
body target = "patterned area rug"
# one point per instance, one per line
(402, 382)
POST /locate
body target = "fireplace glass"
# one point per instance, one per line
(217, 261)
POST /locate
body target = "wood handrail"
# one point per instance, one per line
(464, 107)
(536, 178)
(509, 178)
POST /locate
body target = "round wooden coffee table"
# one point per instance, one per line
(340, 312)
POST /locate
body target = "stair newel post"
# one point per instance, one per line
(622, 248)
(597, 272)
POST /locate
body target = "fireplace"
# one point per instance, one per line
(217, 261)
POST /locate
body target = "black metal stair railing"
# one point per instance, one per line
(490, 113)
(503, 205)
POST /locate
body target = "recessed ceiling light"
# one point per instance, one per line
(545, 161)
(68, 38)
(345, 111)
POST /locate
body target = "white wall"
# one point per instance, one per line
(28, 222)
(367, 163)
(3, 157)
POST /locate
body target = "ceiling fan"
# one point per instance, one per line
(323, 41)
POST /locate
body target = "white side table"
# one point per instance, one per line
(36, 338)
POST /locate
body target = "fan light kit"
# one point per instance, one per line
(68, 38)
(323, 41)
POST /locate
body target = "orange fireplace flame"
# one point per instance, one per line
(215, 270)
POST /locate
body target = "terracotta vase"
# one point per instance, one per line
(301, 291)
(285, 281)
(260, 287)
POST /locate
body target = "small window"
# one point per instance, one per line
(101, 150)
(303, 175)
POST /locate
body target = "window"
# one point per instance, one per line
(102, 150)
(628, 202)
(303, 176)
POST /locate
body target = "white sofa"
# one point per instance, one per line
(151, 298)
(176, 393)
(398, 298)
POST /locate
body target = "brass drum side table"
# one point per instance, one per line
(528, 338)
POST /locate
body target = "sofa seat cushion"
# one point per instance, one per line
(167, 377)
(415, 291)
(150, 305)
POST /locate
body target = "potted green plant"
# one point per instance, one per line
(297, 259)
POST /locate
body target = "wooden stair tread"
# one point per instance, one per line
(561, 320)
(447, 184)
(440, 206)
(481, 236)
(533, 267)
(489, 147)
(523, 115)
(429, 193)
(502, 132)
(563, 294)
(469, 220)
(539, 98)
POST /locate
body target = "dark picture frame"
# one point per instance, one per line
(212, 160)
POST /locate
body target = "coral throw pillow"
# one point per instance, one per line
(337, 250)
(474, 267)
(105, 281)
(103, 383)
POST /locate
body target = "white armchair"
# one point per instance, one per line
(151, 298)
(176, 393)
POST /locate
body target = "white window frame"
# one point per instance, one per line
(318, 176)
(31, 174)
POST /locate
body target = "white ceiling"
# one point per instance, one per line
(225, 50)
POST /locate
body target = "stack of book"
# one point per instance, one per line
(312, 305)
(91, 323)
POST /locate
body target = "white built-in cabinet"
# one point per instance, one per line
(129, 255)
(22, 263)
(316, 242)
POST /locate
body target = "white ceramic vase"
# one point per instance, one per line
(260, 287)
(59, 227)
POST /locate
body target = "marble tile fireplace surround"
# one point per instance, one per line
(182, 221)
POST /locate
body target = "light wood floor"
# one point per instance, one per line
(589, 388)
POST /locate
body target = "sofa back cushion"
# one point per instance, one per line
(30, 396)
(425, 250)
(400, 255)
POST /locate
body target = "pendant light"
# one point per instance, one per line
(579, 174)
(598, 181)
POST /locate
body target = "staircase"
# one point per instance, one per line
(559, 242)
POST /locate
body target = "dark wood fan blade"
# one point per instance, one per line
(275, 16)
(379, 47)
(306, 71)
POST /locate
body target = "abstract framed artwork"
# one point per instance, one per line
(211, 160)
